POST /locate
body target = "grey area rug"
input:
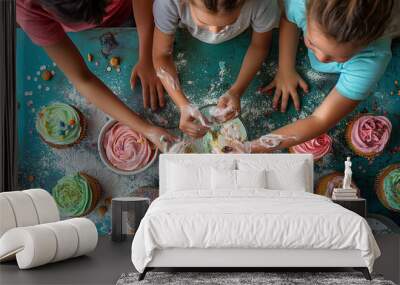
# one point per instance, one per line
(238, 278)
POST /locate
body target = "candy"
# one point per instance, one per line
(90, 57)
(72, 122)
(115, 61)
(46, 75)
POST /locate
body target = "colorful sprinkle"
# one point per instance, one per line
(90, 57)
(115, 61)
(72, 122)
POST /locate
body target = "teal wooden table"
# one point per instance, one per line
(206, 72)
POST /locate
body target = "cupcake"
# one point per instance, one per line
(327, 183)
(77, 195)
(388, 187)
(126, 149)
(318, 147)
(368, 135)
(61, 125)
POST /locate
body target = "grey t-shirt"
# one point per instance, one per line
(261, 15)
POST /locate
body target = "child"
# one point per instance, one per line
(46, 23)
(212, 21)
(342, 36)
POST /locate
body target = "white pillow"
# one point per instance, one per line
(191, 176)
(251, 179)
(230, 180)
(281, 175)
(223, 179)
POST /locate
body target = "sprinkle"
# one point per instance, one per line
(72, 122)
(54, 64)
(118, 69)
(28, 77)
(141, 140)
(37, 72)
(391, 93)
(190, 82)
(108, 68)
(53, 72)
(43, 67)
(28, 93)
(29, 103)
(39, 87)
(47, 88)
(90, 57)
(396, 82)
(115, 61)
(46, 75)
(35, 79)
(97, 63)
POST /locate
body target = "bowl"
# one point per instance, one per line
(105, 160)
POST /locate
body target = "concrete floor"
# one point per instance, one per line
(110, 260)
(103, 266)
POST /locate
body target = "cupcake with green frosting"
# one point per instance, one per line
(61, 125)
(77, 195)
(388, 187)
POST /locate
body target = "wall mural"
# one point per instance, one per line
(59, 131)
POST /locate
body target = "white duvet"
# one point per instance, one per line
(250, 219)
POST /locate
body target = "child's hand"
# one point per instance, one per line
(193, 122)
(160, 138)
(285, 84)
(228, 107)
(152, 88)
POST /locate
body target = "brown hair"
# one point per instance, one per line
(216, 6)
(358, 21)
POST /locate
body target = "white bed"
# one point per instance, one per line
(281, 224)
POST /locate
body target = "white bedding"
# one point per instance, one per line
(253, 218)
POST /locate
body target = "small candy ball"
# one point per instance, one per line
(47, 75)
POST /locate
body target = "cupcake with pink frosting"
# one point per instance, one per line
(318, 147)
(124, 149)
(368, 135)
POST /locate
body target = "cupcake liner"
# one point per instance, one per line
(96, 191)
(349, 128)
(83, 123)
(379, 185)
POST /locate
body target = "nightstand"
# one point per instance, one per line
(127, 212)
(358, 206)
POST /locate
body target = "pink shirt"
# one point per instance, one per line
(46, 29)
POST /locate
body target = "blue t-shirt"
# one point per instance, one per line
(359, 75)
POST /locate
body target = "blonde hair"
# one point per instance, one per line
(356, 21)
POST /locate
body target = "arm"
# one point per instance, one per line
(255, 56)
(165, 67)
(69, 60)
(287, 79)
(152, 89)
(333, 109)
